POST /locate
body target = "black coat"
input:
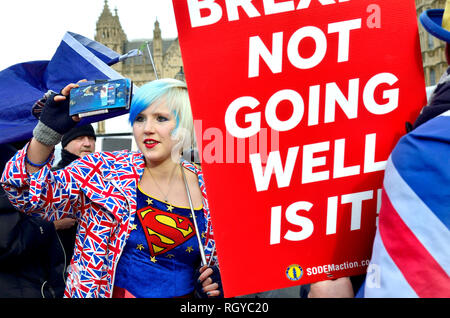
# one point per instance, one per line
(33, 255)
(66, 159)
(32, 262)
(439, 101)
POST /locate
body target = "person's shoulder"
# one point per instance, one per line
(105, 159)
(110, 155)
(420, 152)
(431, 134)
(191, 166)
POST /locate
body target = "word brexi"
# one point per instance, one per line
(216, 12)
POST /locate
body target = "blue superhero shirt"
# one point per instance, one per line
(162, 250)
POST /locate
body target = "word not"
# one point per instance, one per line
(274, 58)
(232, 7)
(307, 226)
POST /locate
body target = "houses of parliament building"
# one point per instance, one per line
(166, 52)
(167, 56)
(140, 69)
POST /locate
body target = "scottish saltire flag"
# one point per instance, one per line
(411, 251)
(21, 85)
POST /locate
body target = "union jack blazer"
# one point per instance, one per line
(99, 190)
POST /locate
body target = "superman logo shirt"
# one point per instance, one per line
(162, 251)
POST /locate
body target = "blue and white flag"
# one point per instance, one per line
(21, 85)
(411, 251)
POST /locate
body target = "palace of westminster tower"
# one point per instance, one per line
(167, 56)
(166, 52)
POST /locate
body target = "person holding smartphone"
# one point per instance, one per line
(144, 224)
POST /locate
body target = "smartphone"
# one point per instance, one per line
(100, 96)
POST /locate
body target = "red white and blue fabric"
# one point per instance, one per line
(100, 191)
(411, 253)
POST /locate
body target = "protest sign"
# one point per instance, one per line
(297, 106)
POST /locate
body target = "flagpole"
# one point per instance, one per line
(151, 59)
(194, 218)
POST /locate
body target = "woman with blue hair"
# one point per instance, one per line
(144, 222)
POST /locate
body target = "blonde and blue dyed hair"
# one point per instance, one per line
(174, 94)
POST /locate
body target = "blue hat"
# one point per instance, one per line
(432, 22)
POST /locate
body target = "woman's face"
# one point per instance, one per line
(152, 130)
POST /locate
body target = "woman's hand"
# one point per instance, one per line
(65, 223)
(55, 113)
(336, 288)
(210, 281)
(65, 92)
(54, 121)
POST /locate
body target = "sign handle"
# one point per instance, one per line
(200, 245)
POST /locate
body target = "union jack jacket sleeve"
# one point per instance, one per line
(49, 194)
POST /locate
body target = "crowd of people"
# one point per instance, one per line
(130, 224)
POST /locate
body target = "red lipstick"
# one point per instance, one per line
(150, 143)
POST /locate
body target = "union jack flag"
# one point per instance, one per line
(411, 254)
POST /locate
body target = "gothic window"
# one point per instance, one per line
(430, 41)
(432, 77)
(422, 39)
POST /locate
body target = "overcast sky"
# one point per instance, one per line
(32, 29)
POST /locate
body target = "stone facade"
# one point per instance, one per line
(166, 52)
(167, 56)
(433, 49)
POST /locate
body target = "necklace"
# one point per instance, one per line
(168, 185)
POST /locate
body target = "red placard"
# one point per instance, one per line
(297, 106)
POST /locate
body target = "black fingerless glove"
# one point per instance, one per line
(54, 121)
(215, 276)
(55, 115)
(36, 110)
